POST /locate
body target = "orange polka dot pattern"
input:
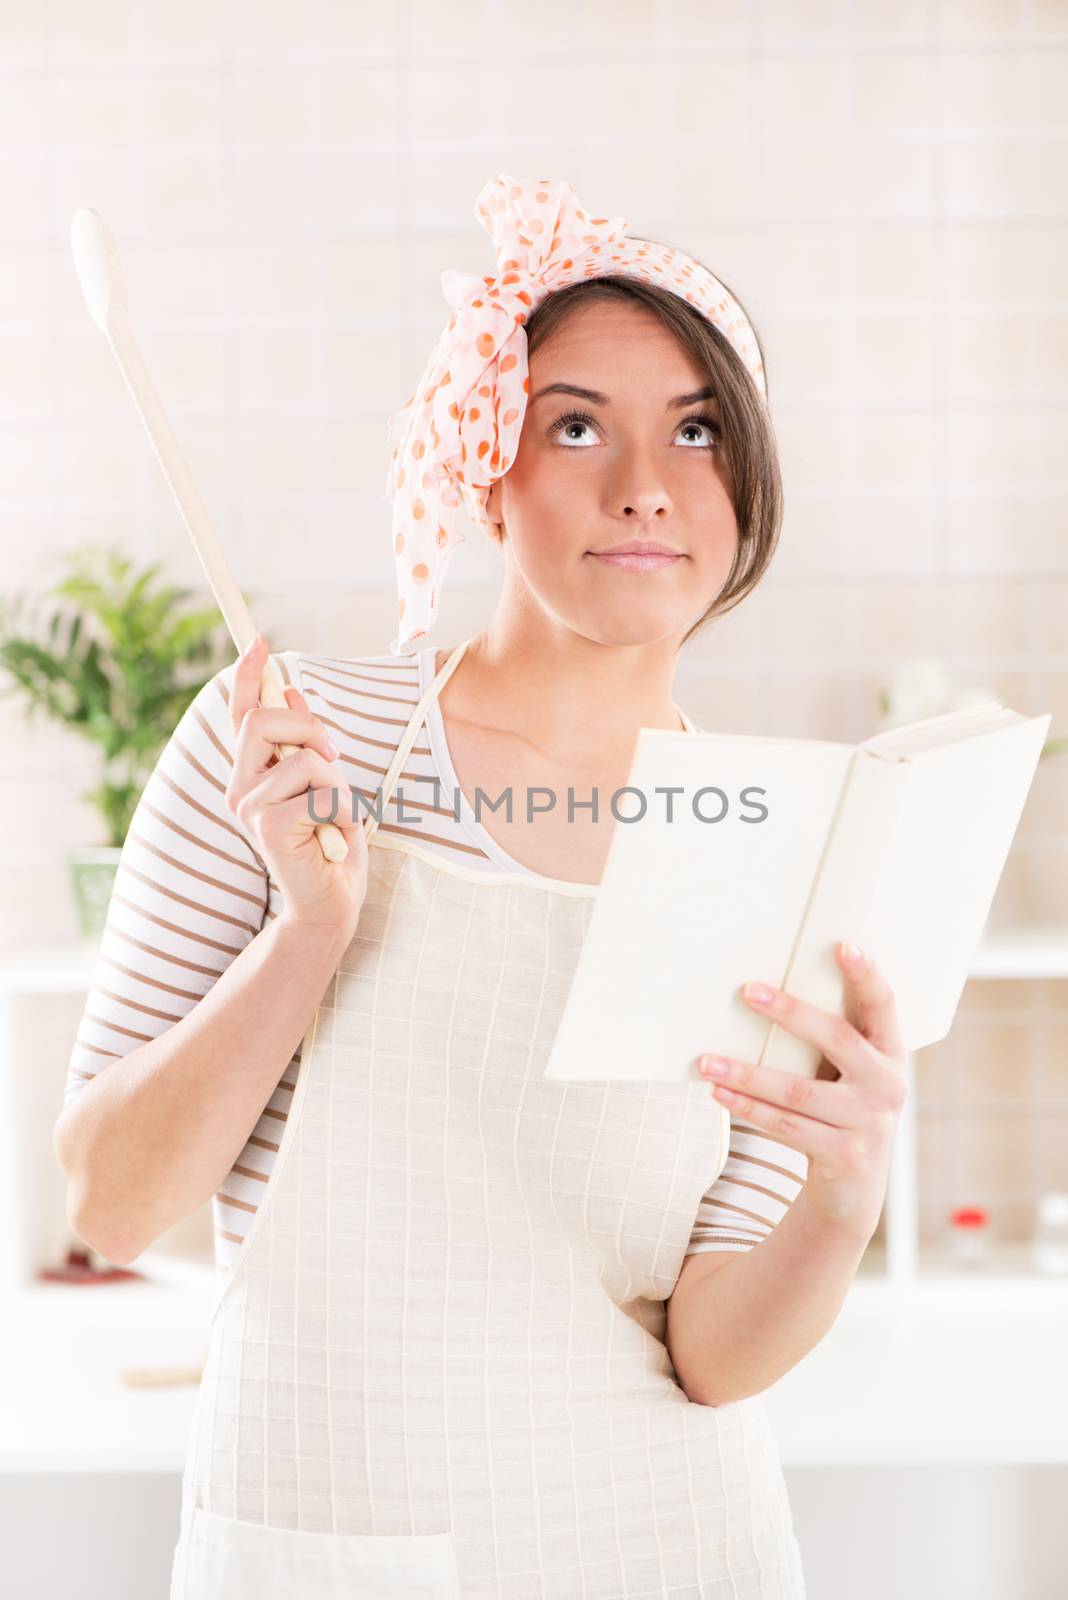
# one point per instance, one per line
(459, 430)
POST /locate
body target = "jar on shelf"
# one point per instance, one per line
(968, 1234)
(1049, 1247)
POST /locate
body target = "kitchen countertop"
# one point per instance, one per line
(965, 1369)
(961, 1369)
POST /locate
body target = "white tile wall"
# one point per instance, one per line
(885, 184)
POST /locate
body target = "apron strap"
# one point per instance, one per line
(370, 821)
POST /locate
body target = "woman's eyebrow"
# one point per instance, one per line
(598, 399)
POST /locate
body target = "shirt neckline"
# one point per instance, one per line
(439, 749)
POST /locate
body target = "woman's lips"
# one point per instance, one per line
(634, 562)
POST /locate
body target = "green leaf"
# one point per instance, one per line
(117, 655)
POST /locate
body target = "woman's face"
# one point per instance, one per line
(637, 468)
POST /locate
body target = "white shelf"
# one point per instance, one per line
(1037, 951)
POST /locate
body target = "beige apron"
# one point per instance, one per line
(436, 1367)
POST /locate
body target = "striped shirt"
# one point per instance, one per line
(191, 891)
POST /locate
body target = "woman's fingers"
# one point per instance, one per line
(302, 770)
(746, 1083)
(264, 728)
(845, 1126)
(870, 1003)
(245, 686)
(859, 1056)
(268, 726)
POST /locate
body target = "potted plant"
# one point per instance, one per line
(113, 658)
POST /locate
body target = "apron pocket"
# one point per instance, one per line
(227, 1557)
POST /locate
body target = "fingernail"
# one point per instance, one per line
(714, 1066)
(852, 953)
(759, 993)
(251, 648)
(333, 749)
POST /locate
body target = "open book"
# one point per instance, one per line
(897, 844)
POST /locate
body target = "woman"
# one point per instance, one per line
(474, 1338)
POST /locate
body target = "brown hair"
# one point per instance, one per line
(749, 449)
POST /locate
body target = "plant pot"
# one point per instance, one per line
(92, 870)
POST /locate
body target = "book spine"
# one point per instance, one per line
(844, 903)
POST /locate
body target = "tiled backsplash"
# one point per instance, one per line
(882, 184)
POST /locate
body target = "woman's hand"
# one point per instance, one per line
(845, 1126)
(280, 800)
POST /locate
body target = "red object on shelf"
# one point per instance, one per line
(969, 1217)
(79, 1269)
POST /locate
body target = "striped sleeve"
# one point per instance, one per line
(760, 1181)
(190, 893)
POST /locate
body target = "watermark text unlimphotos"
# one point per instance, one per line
(708, 804)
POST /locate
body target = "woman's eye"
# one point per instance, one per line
(567, 422)
(703, 422)
(579, 420)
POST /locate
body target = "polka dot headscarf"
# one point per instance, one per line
(460, 429)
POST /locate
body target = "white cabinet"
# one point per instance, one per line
(1026, 952)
